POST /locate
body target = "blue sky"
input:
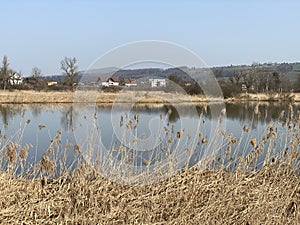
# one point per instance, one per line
(41, 33)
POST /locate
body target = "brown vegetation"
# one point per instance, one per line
(19, 97)
(98, 97)
(271, 195)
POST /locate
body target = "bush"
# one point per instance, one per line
(229, 90)
(111, 89)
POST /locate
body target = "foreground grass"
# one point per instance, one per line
(269, 196)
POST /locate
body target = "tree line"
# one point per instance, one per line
(255, 78)
(10, 78)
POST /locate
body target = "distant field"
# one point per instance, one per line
(296, 67)
(293, 76)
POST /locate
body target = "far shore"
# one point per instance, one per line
(143, 97)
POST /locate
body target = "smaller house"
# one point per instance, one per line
(51, 83)
(129, 82)
(244, 87)
(156, 82)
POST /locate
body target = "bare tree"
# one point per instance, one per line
(286, 85)
(251, 77)
(6, 73)
(70, 70)
(236, 78)
(36, 72)
(248, 79)
(277, 81)
(263, 82)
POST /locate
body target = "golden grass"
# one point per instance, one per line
(35, 97)
(146, 97)
(100, 97)
(278, 97)
(269, 196)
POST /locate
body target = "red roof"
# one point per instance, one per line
(106, 79)
(129, 80)
(115, 79)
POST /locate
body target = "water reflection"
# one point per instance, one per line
(71, 118)
(67, 118)
(268, 112)
(9, 111)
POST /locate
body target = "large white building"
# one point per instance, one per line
(157, 82)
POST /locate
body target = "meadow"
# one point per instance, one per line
(261, 186)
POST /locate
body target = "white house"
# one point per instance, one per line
(156, 82)
(16, 79)
(244, 87)
(112, 81)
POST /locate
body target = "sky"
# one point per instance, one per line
(41, 33)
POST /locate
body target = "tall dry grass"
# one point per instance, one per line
(236, 189)
(23, 97)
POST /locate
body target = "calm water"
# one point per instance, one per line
(148, 133)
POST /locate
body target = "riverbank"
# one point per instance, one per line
(145, 97)
(24, 97)
(272, 97)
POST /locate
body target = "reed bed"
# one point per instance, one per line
(232, 189)
(24, 97)
(29, 96)
(269, 196)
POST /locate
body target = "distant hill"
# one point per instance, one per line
(95, 74)
(286, 68)
(292, 71)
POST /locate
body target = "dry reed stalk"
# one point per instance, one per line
(194, 197)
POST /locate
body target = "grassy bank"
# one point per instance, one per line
(272, 97)
(23, 97)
